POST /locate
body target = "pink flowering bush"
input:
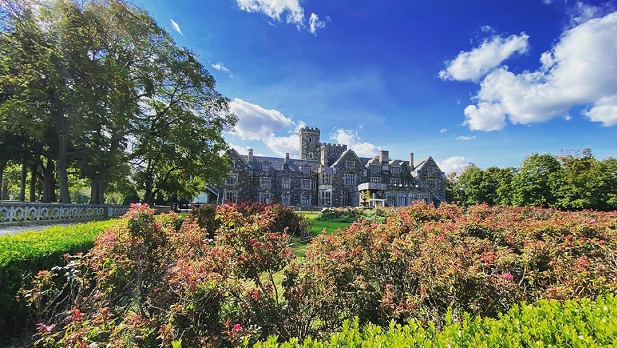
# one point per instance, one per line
(423, 261)
(149, 282)
(158, 282)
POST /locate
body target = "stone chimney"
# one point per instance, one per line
(323, 155)
(411, 165)
(250, 155)
(286, 156)
(383, 156)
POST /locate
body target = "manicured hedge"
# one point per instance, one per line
(573, 323)
(26, 253)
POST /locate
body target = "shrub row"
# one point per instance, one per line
(151, 283)
(548, 323)
(353, 214)
(26, 253)
(482, 260)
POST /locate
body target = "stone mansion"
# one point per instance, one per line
(330, 175)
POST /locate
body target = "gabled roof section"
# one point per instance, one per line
(348, 152)
(234, 153)
(374, 160)
(420, 165)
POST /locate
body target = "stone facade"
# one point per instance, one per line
(331, 175)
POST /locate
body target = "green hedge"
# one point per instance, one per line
(573, 323)
(26, 253)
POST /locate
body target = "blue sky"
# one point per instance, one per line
(481, 81)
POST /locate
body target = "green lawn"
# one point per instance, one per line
(317, 226)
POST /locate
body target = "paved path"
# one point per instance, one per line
(15, 229)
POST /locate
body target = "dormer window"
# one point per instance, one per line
(265, 166)
(396, 170)
(351, 165)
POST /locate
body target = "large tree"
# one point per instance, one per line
(179, 130)
(532, 183)
(97, 84)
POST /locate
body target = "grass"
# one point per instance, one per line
(317, 226)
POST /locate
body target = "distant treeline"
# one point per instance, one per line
(574, 180)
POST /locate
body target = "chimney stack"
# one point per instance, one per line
(383, 156)
(250, 155)
(411, 165)
(286, 156)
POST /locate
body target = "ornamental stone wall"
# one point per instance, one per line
(22, 212)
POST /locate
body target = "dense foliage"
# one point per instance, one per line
(149, 283)
(98, 89)
(24, 254)
(571, 181)
(548, 323)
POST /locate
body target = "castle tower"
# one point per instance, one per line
(310, 145)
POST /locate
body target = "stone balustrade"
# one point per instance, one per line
(22, 212)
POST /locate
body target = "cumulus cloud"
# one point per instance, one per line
(258, 123)
(221, 67)
(443, 130)
(472, 65)
(291, 11)
(315, 23)
(176, 27)
(243, 150)
(453, 164)
(465, 138)
(604, 111)
(580, 69)
(352, 140)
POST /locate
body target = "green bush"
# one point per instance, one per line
(24, 254)
(578, 323)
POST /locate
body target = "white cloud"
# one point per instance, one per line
(243, 150)
(465, 138)
(485, 116)
(472, 65)
(281, 145)
(443, 130)
(315, 23)
(581, 69)
(352, 140)
(604, 110)
(291, 10)
(582, 12)
(487, 29)
(258, 123)
(453, 164)
(176, 27)
(221, 67)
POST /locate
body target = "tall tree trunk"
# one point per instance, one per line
(33, 174)
(63, 177)
(97, 189)
(22, 188)
(49, 184)
(2, 193)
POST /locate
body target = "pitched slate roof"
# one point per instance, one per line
(420, 165)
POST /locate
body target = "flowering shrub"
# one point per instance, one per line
(155, 282)
(149, 282)
(482, 260)
(282, 219)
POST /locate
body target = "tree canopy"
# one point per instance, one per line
(97, 89)
(573, 180)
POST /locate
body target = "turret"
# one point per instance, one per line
(310, 143)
